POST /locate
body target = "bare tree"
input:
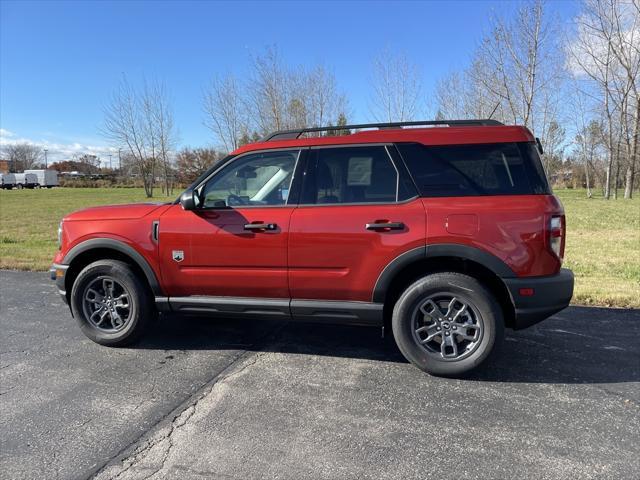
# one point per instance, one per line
(518, 70)
(588, 138)
(22, 156)
(142, 121)
(124, 124)
(604, 57)
(461, 95)
(450, 94)
(277, 96)
(269, 91)
(396, 86)
(226, 111)
(161, 129)
(324, 102)
(514, 76)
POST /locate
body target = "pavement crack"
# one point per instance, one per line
(162, 432)
(183, 418)
(7, 391)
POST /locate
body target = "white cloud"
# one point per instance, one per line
(59, 151)
(589, 48)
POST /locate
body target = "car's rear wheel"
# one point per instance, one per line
(111, 303)
(447, 324)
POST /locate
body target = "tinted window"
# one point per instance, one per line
(537, 177)
(255, 179)
(350, 175)
(463, 170)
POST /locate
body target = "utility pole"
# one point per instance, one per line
(119, 161)
(45, 158)
(110, 167)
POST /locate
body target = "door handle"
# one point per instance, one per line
(385, 226)
(261, 226)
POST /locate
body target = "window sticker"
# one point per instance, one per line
(359, 173)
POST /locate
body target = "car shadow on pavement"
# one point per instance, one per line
(581, 345)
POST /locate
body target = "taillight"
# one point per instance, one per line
(556, 234)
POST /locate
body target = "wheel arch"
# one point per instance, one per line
(414, 264)
(106, 248)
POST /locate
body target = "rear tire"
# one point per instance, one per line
(112, 305)
(447, 324)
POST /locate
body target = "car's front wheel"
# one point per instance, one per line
(111, 304)
(447, 324)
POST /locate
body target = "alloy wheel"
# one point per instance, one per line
(107, 304)
(447, 327)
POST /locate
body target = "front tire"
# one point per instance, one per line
(111, 303)
(447, 324)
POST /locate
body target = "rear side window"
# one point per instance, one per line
(350, 175)
(479, 169)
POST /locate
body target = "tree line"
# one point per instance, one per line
(574, 84)
(581, 78)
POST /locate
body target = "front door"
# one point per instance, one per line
(357, 213)
(235, 243)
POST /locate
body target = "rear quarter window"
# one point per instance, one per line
(477, 169)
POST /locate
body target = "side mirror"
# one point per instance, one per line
(187, 200)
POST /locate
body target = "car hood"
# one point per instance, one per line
(114, 212)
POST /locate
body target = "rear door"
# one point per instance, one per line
(358, 211)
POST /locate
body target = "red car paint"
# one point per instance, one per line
(322, 251)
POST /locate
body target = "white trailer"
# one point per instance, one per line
(7, 180)
(46, 178)
(26, 180)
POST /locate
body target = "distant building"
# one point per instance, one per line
(4, 166)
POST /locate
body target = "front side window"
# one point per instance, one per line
(258, 179)
(350, 175)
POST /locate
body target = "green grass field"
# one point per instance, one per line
(603, 245)
(29, 220)
(603, 248)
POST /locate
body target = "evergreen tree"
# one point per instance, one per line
(342, 121)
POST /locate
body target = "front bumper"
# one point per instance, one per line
(57, 272)
(550, 295)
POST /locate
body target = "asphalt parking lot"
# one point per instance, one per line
(202, 398)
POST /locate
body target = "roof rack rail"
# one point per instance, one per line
(294, 134)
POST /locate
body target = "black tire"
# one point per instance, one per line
(483, 310)
(141, 308)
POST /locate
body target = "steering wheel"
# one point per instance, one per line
(235, 200)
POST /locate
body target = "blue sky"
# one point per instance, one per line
(59, 61)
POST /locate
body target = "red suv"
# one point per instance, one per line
(446, 230)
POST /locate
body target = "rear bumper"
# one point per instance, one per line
(551, 294)
(57, 273)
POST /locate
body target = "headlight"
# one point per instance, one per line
(60, 236)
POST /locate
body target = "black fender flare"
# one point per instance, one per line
(121, 247)
(466, 252)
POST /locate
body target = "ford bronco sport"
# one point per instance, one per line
(448, 231)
